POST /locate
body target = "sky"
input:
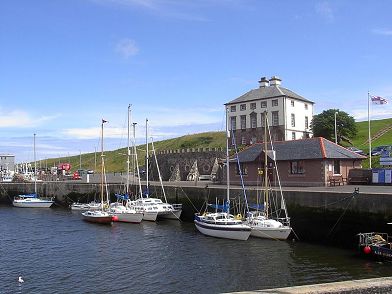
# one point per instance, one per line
(66, 65)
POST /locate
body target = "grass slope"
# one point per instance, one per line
(116, 160)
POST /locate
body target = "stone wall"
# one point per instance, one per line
(185, 159)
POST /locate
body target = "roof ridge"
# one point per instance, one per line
(323, 152)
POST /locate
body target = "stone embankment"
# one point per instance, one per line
(366, 286)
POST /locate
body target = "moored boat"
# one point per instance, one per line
(98, 216)
(31, 201)
(376, 245)
(223, 224)
(101, 216)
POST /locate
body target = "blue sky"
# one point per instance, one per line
(64, 65)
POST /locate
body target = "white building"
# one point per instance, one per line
(289, 114)
(7, 162)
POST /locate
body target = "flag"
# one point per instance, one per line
(378, 100)
(104, 121)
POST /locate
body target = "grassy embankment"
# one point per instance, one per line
(116, 160)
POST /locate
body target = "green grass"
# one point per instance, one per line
(116, 160)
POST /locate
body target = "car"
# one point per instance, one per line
(379, 149)
(356, 150)
(90, 171)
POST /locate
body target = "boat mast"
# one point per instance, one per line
(159, 172)
(128, 150)
(227, 161)
(265, 165)
(147, 191)
(102, 163)
(137, 163)
(35, 168)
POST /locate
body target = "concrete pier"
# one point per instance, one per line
(377, 285)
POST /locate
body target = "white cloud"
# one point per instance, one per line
(92, 133)
(22, 119)
(383, 32)
(325, 10)
(127, 48)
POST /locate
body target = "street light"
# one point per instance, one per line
(336, 136)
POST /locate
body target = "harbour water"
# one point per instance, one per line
(56, 252)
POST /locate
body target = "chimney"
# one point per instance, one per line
(275, 81)
(263, 82)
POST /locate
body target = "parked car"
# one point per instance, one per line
(378, 150)
(356, 150)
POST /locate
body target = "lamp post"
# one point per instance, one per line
(336, 133)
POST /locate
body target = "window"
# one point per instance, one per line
(233, 122)
(253, 120)
(292, 103)
(243, 140)
(233, 108)
(263, 104)
(275, 118)
(293, 120)
(306, 122)
(253, 105)
(306, 106)
(242, 106)
(244, 169)
(336, 167)
(243, 122)
(292, 135)
(262, 119)
(275, 102)
(297, 167)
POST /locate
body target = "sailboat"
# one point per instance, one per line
(223, 224)
(100, 216)
(120, 211)
(32, 200)
(267, 221)
(154, 208)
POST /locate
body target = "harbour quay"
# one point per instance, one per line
(326, 215)
(376, 285)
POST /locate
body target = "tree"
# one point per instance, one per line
(323, 125)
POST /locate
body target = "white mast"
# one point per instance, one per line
(136, 161)
(35, 168)
(227, 158)
(370, 138)
(128, 150)
(159, 172)
(148, 192)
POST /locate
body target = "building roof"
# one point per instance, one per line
(266, 93)
(304, 149)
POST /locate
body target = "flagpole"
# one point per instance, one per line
(370, 138)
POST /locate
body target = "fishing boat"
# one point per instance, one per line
(154, 208)
(101, 216)
(222, 224)
(32, 200)
(120, 211)
(269, 220)
(376, 245)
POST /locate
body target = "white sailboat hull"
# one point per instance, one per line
(271, 233)
(150, 216)
(174, 214)
(128, 217)
(33, 203)
(235, 232)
